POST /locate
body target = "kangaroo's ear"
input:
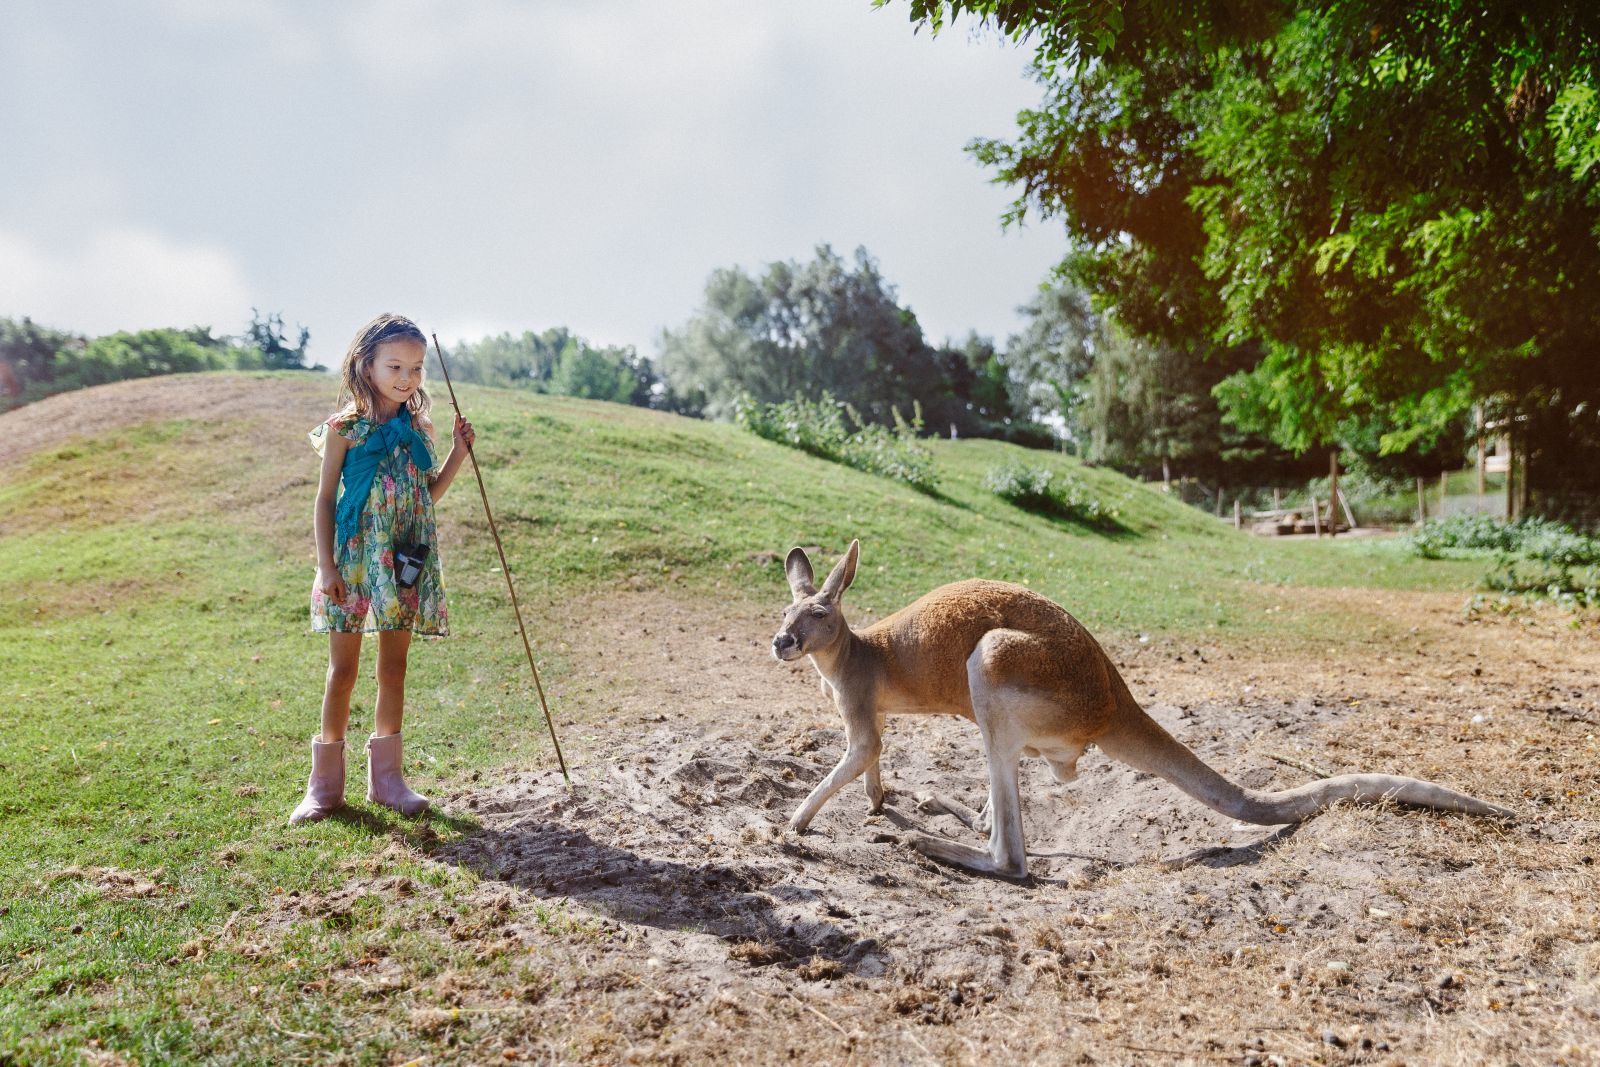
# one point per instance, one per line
(843, 573)
(798, 568)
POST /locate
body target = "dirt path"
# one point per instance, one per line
(693, 929)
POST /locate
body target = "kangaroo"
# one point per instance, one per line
(1035, 683)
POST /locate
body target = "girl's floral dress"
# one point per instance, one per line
(399, 510)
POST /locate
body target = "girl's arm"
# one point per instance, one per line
(458, 455)
(328, 578)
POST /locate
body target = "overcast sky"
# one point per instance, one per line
(493, 165)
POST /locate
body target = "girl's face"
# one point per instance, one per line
(396, 370)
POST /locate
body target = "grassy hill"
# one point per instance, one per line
(158, 683)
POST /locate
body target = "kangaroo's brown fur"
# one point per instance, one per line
(1036, 683)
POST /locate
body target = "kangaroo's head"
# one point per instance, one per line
(816, 618)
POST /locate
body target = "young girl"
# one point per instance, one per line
(378, 452)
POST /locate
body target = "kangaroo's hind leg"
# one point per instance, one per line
(1003, 716)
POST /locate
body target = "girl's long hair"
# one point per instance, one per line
(356, 395)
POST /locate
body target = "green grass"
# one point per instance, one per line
(158, 685)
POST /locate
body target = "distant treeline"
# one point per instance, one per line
(36, 361)
(832, 327)
(556, 361)
(796, 330)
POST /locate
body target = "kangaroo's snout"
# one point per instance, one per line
(786, 646)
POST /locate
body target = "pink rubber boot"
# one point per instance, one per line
(385, 784)
(325, 789)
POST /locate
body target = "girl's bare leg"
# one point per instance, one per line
(392, 648)
(386, 783)
(344, 666)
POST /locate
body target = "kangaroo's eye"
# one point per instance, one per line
(818, 613)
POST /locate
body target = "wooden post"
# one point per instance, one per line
(1219, 501)
(1316, 516)
(1444, 490)
(1422, 501)
(1511, 476)
(1238, 515)
(1166, 475)
(1277, 499)
(1520, 457)
(1482, 459)
(1333, 492)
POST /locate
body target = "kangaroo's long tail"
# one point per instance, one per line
(1140, 742)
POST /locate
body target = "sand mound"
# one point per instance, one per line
(680, 836)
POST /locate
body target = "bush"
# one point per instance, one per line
(1538, 557)
(1536, 539)
(1047, 492)
(820, 427)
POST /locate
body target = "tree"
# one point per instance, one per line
(526, 360)
(822, 326)
(596, 373)
(1386, 212)
(1052, 357)
(836, 327)
(28, 359)
(268, 336)
(555, 361)
(141, 354)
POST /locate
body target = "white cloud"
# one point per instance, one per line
(504, 164)
(614, 44)
(122, 279)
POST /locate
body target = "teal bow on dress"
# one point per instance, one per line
(361, 464)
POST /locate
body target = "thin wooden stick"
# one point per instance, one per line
(506, 570)
(1290, 761)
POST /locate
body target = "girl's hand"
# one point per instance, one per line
(464, 431)
(331, 583)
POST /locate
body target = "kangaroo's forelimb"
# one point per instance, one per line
(863, 746)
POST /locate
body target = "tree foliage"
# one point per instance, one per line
(28, 358)
(1384, 212)
(835, 326)
(268, 336)
(36, 361)
(799, 329)
(554, 361)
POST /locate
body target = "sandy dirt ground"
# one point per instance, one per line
(660, 913)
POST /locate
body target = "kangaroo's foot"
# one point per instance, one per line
(875, 791)
(966, 856)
